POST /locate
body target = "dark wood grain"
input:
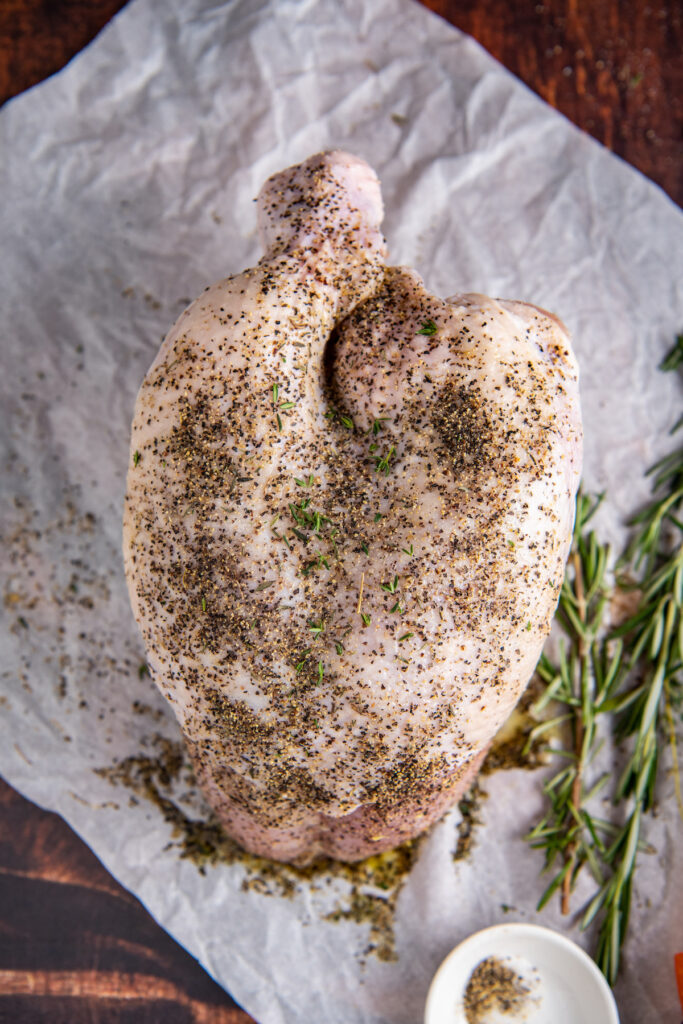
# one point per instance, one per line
(613, 67)
(77, 948)
(38, 37)
(74, 946)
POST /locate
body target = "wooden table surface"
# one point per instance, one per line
(75, 947)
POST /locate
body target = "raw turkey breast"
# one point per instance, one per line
(348, 510)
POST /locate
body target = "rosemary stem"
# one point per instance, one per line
(671, 726)
(570, 854)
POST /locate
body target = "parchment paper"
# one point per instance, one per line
(127, 184)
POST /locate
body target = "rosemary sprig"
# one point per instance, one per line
(634, 674)
(583, 681)
(660, 515)
(654, 641)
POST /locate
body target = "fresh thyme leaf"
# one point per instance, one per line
(346, 421)
(382, 461)
(406, 636)
(408, 551)
(316, 628)
(428, 327)
(136, 458)
(392, 586)
(296, 512)
(366, 618)
(378, 516)
(203, 604)
(318, 520)
(302, 660)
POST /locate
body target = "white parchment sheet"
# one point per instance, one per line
(127, 184)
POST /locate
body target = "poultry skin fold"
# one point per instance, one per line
(348, 510)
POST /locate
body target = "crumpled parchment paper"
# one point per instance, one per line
(127, 184)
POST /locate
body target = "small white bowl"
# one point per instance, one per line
(565, 985)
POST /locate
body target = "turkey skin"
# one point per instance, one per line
(348, 509)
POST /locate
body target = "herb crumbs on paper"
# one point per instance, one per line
(158, 773)
(469, 807)
(512, 747)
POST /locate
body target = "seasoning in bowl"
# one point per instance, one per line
(495, 986)
(519, 974)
